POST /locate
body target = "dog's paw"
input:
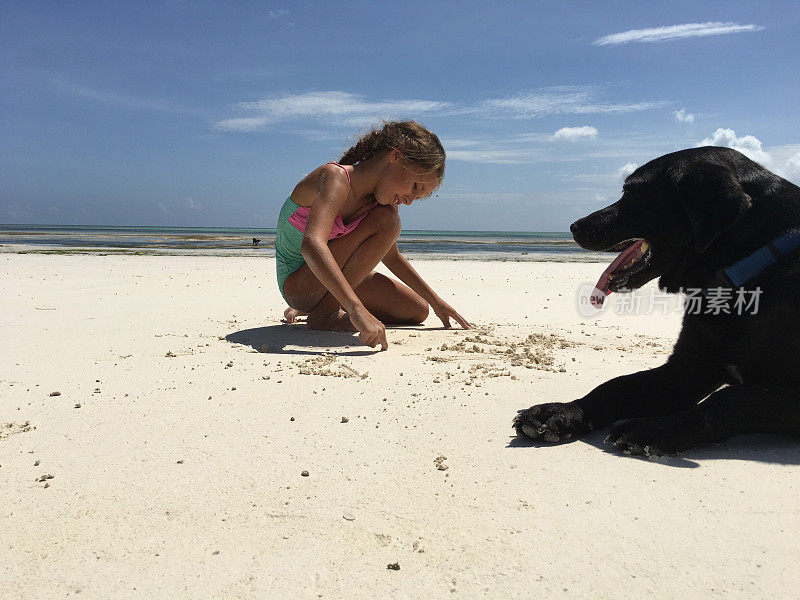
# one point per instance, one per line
(554, 422)
(652, 438)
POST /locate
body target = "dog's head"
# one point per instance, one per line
(673, 210)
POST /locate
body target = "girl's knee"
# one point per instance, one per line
(416, 308)
(421, 311)
(385, 219)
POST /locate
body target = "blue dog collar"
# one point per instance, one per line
(744, 270)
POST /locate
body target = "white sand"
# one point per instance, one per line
(180, 477)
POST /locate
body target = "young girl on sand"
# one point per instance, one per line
(342, 219)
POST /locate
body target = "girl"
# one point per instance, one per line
(342, 219)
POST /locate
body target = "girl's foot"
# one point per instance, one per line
(331, 322)
(290, 315)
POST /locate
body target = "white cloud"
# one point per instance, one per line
(453, 143)
(792, 167)
(515, 149)
(351, 110)
(683, 117)
(319, 135)
(674, 32)
(503, 157)
(335, 104)
(748, 145)
(277, 14)
(784, 161)
(538, 148)
(573, 134)
(493, 197)
(577, 197)
(555, 101)
(243, 124)
(122, 100)
(625, 170)
(342, 108)
(190, 203)
(530, 138)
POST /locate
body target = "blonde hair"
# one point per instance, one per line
(418, 146)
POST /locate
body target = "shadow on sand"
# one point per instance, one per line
(285, 339)
(296, 338)
(760, 447)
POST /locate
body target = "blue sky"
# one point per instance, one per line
(208, 113)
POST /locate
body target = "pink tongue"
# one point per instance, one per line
(601, 287)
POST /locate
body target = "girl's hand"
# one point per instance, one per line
(371, 331)
(444, 311)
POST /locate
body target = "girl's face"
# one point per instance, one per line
(402, 183)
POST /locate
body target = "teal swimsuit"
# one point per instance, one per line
(289, 235)
(287, 244)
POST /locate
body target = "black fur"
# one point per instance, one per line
(701, 210)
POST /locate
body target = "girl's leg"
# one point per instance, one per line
(357, 253)
(391, 301)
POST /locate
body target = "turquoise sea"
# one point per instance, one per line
(232, 241)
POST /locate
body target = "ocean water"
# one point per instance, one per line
(231, 241)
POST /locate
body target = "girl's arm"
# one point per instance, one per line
(329, 202)
(399, 265)
(331, 197)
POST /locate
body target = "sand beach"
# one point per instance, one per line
(164, 435)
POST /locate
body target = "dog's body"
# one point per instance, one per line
(700, 210)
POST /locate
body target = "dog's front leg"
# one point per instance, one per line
(725, 413)
(660, 391)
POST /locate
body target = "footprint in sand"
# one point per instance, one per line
(327, 366)
(7, 429)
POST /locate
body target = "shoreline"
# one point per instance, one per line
(418, 244)
(265, 251)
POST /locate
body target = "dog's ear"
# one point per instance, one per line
(714, 200)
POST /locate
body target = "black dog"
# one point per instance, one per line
(713, 221)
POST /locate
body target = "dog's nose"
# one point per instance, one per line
(579, 231)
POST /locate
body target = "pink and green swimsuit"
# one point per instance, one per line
(289, 235)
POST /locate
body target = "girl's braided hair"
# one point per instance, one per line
(418, 146)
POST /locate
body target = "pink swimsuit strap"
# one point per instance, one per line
(299, 217)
